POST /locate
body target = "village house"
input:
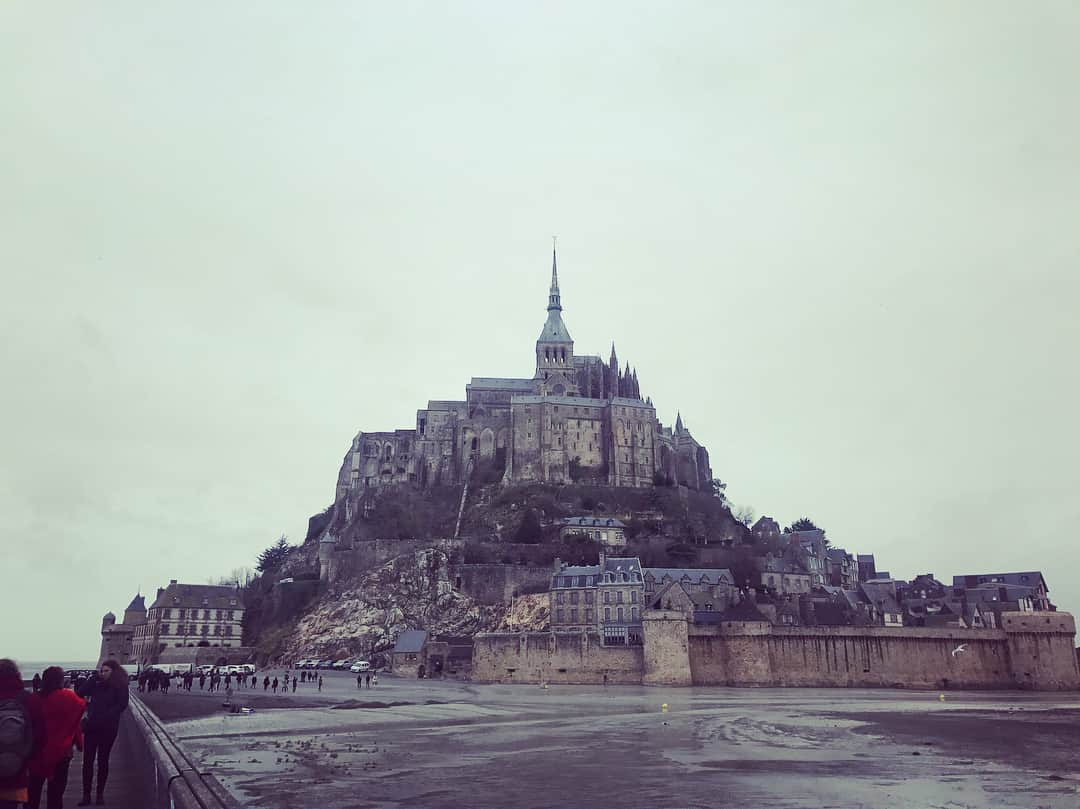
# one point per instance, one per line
(606, 598)
(1040, 593)
(813, 553)
(784, 576)
(608, 531)
(881, 594)
(843, 571)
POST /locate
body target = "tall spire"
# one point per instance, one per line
(554, 301)
(678, 424)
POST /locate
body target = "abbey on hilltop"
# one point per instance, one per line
(576, 418)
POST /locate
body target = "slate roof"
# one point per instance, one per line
(852, 597)
(554, 330)
(137, 603)
(880, 595)
(593, 522)
(621, 564)
(411, 641)
(745, 610)
(1027, 578)
(501, 383)
(695, 574)
(211, 596)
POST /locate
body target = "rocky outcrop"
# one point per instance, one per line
(365, 614)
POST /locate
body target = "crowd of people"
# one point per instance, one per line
(41, 729)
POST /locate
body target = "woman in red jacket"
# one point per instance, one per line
(14, 755)
(62, 711)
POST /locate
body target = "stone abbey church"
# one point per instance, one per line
(577, 418)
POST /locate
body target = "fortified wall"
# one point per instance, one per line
(1032, 650)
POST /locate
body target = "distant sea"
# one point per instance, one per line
(29, 668)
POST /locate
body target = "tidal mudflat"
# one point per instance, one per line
(463, 745)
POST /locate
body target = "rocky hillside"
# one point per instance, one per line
(365, 615)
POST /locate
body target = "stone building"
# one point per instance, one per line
(117, 639)
(606, 598)
(576, 418)
(189, 616)
(608, 531)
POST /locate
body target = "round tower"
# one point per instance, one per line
(107, 620)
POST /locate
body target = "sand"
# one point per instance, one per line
(454, 744)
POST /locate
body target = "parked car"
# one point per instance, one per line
(307, 664)
(206, 670)
(341, 665)
(234, 670)
(247, 668)
(360, 666)
(325, 664)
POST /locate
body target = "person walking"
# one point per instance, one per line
(320, 682)
(107, 695)
(23, 738)
(294, 685)
(368, 677)
(62, 710)
(266, 682)
(375, 678)
(359, 680)
(274, 684)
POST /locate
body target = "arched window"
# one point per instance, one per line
(389, 452)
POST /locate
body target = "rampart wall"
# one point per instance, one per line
(1031, 651)
(547, 657)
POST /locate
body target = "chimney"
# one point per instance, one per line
(172, 582)
(558, 564)
(603, 556)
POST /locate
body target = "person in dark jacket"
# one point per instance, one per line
(61, 709)
(13, 788)
(108, 699)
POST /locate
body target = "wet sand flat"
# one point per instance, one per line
(455, 744)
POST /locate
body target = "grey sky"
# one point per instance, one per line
(840, 237)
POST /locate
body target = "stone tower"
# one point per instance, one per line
(555, 346)
(135, 614)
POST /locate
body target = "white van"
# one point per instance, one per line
(360, 666)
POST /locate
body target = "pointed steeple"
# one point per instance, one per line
(678, 424)
(554, 301)
(614, 361)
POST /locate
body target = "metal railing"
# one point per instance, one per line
(172, 780)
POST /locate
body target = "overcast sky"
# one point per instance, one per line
(841, 238)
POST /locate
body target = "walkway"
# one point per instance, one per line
(124, 789)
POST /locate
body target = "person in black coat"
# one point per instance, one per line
(107, 695)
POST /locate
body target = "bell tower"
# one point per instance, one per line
(555, 346)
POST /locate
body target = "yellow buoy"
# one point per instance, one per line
(941, 697)
(663, 708)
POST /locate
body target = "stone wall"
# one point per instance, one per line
(534, 657)
(207, 655)
(497, 584)
(1032, 651)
